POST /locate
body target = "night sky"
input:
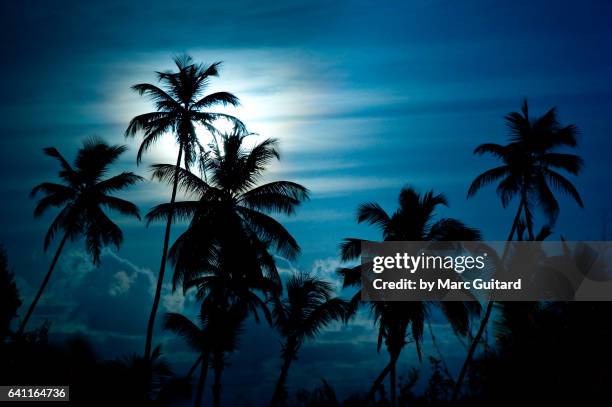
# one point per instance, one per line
(364, 97)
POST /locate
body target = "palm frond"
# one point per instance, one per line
(223, 98)
(67, 172)
(120, 205)
(562, 184)
(449, 229)
(118, 182)
(278, 196)
(374, 214)
(270, 230)
(186, 329)
(496, 150)
(55, 196)
(181, 210)
(571, 163)
(350, 249)
(486, 178)
(187, 181)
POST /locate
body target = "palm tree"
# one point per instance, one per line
(83, 194)
(196, 338)
(231, 212)
(530, 164)
(225, 305)
(180, 104)
(225, 252)
(307, 308)
(412, 221)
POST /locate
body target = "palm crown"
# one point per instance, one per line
(308, 307)
(84, 194)
(180, 103)
(530, 163)
(232, 211)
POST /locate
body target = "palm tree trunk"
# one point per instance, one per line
(528, 222)
(377, 383)
(202, 381)
(280, 384)
(216, 387)
(393, 384)
(162, 267)
(193, 367)
(42, 286)
(487, 314)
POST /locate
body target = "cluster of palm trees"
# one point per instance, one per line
(226, 252)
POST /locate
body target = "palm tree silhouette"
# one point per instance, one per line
(225, 305)
(412, 221)
(197, 339)
(225, 252)
(529, 166)
(82, 195)
(529, 170)
(227, 300)
(180, 105)
(232, 211)
(307, 308)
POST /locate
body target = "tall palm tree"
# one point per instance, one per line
(529, 170)
(225, 251)
(180, 105)
(83, 195)
(307, 308)
(412, 221)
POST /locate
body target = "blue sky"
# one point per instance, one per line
(365, 98)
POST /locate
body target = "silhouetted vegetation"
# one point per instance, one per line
(82, 195)
(529, 167)
(413, 221)
(180, 105)
(10, 301)
(226, 254)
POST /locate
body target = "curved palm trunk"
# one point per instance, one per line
(164, 259)
(487, 315)
(279, 390)
(216, 387)
(393, 384)
(43, 285)
(193, 367)
(202, 381)
(378, 382)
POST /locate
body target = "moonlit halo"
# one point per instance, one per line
(265, 103)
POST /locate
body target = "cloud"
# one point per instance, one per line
(121, 283)
(174, 301)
